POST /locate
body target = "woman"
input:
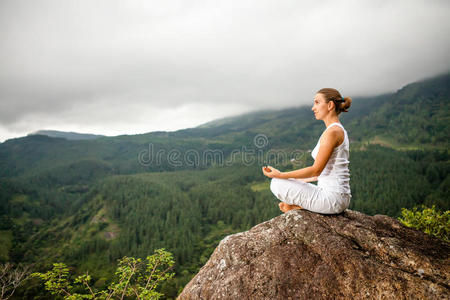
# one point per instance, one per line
(332, 193)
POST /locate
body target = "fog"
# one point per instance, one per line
(127, 67)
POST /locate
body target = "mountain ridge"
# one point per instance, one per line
(69, 135)
(89, 202)
(226, 121)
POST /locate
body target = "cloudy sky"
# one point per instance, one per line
(126, 67)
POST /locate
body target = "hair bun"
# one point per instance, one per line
(346, 104)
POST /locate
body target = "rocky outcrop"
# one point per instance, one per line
(304, 255)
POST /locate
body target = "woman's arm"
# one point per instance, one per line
(310, 179)
(327, 144)
(300, 173)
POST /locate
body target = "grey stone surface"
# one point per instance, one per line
(304, 255)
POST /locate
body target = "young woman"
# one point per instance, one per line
(332, 193)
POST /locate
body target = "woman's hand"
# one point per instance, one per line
(271, 172)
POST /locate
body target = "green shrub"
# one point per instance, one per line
(136, 278)
(429, 220)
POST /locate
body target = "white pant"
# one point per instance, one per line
(309, 196)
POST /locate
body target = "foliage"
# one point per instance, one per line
(89, 203)
(429, 220)
(135, 278)
(384, 180)
(11, 277)
(416, 115)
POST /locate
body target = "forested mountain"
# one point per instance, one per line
(89, 202)
(67, 135)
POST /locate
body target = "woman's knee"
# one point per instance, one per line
(274, 185)
(279, 189)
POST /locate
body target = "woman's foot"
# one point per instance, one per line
(284, 207)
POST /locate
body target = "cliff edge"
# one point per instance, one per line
(304, 255)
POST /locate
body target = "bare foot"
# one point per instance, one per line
(284, 207)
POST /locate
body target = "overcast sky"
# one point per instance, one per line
(126, 67)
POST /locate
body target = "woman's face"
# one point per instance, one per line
(320, 107)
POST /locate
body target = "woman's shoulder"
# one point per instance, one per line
(335, 133)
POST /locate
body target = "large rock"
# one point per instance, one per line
(304, 255)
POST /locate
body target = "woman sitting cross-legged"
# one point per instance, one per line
(332, 193)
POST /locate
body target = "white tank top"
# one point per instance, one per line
(335, 176)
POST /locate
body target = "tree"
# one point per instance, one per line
(10, 278)
(135, 278)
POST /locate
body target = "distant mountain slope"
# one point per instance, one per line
(67, 135)
(417, 116)
(93, 201)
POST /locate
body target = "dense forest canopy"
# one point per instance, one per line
(87, 203)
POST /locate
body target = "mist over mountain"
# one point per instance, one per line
(67, 135)
(88, 202)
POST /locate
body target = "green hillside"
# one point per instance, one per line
(67, 135)
(89, 202)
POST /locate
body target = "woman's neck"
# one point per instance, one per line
(330, 120)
